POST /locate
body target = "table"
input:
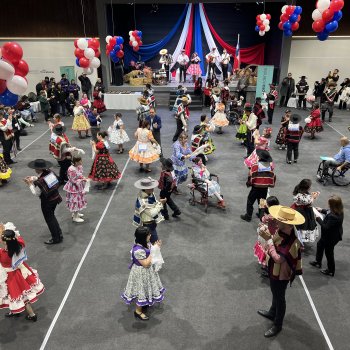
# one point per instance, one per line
(293, 103)
(36, 106)
(122, 101)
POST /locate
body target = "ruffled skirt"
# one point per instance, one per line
(118, 137)
(5, 170)
(80, 123)
(219, 119)
(139, 155)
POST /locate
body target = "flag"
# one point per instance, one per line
(237, 60)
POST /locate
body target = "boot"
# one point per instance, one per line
(76, 217)
(221, 204)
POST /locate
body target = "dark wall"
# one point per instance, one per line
(42, 18)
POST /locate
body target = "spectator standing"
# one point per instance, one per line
(64, 83)
(85, 84)
(302, 89)
(74, 89)
(287, 88)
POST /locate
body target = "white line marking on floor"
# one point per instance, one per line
(39, 137)
(335, 129)
(53, 323)
(316, 314)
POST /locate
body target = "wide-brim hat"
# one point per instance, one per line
(264, 156)
(59, 129)
(146, 183)
(167, 163)
(197, 129)
(248, 107)
(303, 77)
(142, 100)
(286, 215)
(163, 51)
(184, 99)
(40, 164)
(216, 91)
(295, 118)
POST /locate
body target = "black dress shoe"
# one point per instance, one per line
(315, 264)
(327, 272)
(176, 214)
(139, 316)
(266, 314)
(10, 314)
(245, 217)
(273, 331)
(51, 241)
(33, 318)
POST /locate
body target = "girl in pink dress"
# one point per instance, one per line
(75, 189)
(20, 285)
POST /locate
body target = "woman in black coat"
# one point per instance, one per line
(331, 234)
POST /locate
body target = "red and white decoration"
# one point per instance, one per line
(87, 53)
(135, 39)
(290, 19)
(263, 23)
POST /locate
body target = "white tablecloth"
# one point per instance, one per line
(35, 106)
(122, 101)
(293, 103)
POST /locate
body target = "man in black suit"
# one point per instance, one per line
(155, 123)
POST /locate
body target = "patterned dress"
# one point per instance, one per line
(144, 152)
(180, 168)
(103, 169)
(144, 285)
(75, 195)
(203, 175)
(98, 102)
(316, 124)
(117, 135)
(80, 121)
(219, 119)
(5, 170)
(242, 130)
(281, 136)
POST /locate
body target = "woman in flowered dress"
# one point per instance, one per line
(98, 101)
(117, 134)
(103, 170)
(75, 189)
(194, 69)
(80, 121)
(281, 136)
(219, 119)
(315, 124)
(20, 285)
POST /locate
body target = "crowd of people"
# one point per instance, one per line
(283, 232)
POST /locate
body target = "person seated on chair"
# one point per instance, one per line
(200, 138)
(340, 160)
(200, 172)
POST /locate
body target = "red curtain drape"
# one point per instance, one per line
(188, 44)
(249, 55)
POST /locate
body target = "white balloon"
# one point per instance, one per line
(266, 22)
(88, 71)
(135, 43)
(284, 8)
(261, 33)
(94, 63)
(89, 53)
(316, 15)
(262, 16)
(267, 28)
(7, 70)
(108, 38)
(82, 43)
(132, 38)
(323, 5)
(17, 85)
(130, 32)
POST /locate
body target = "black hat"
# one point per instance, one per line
(295, 118)
(59, 129)
(258, 99)
(168, 163)
(197, 129)
(264, 156)
(303, 77)
(40, 164)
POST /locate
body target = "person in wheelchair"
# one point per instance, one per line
(339, 161)
(203, 181)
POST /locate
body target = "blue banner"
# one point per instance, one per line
(265, 76)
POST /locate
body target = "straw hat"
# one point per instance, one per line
(163, 51)
(216, 91)
(286, 215)
(146, 183)
(142, 100)
(184, 99)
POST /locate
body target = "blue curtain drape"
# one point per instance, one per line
(147, 52)
(198, 37)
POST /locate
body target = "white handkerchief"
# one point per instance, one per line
(317, 213)
(156, 257)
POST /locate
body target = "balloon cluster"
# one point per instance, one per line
(262, 23)
(114, 48)
(12, 73)
(135, 37)
(290, 19)
(326, 17)
(87, 53)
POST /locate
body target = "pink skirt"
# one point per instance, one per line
(194, 69)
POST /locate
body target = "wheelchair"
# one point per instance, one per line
(197, 186)
(339, 178)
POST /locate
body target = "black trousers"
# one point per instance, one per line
(183, 69)
(255, 194)
(278, 307)
(48, 210)
(167, 72)
(224, 71)
(292, 147)
(270, 114)
(328, 249)
(94, 130)
(250, 142)
(64, 165)
(211, 69)
(284, 100)
(179, 129)
(342, 105)
(17, 138)
(6, 146)
(302, 101)
(170, 202)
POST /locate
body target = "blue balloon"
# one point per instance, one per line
(257, 29)
(77, 62)
(288, 32)
(322, 36)
(332, 26)
(120, 40)
(298, 10)
(293, 18)
(139, 34)
(116, 48)
(287, 25)
(113, 53)
(115, 59)
(7, 98)
(337, 16)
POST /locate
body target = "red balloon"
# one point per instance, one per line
(262, 28)
(130, 43)
(113, 41)
(121, 46)
(280, 25)
(120, 54)
(79, 53)
(140, 43)
(299, 18)
(257, 17)
(12, 52)
(318, 26)
(136, 48)
(295, 26)
(259, 23)
(327, 15)
(290, 9)
(109, 47)
(97, 53)
(284, 17)
(76, 43)
(268, 16)
(3, 86)
(94, 43)
(336, 5)
(22, 68)
(135, 33)
(84, 62)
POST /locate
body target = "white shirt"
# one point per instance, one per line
(183, 59)
(212, 57)
(251, 122)
(225, 58)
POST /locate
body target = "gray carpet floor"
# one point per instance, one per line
(212, 279)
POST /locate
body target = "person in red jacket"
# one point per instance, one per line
(293, 136)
